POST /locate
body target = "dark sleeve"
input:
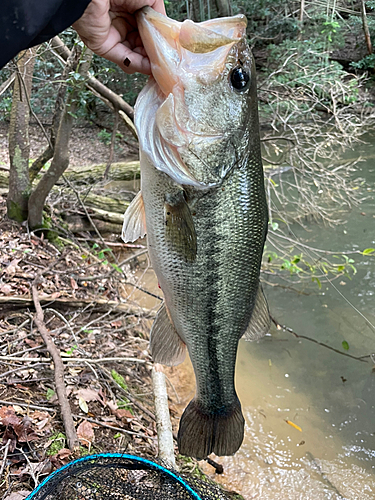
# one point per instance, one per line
(24, 23)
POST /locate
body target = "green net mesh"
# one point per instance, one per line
(122, 477)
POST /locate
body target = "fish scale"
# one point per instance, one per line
(204, 207)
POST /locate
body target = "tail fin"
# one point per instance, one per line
(203, 433)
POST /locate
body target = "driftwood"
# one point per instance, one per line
(163, 419)
(79, 224)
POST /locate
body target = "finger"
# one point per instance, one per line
(159, 6)
(128, 60)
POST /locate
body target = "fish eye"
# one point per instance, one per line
(239, 79)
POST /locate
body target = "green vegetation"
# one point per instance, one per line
(58, 442)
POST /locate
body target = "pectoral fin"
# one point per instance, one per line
(166, 347)
(179, 226)
(134, 225)
(260, 321)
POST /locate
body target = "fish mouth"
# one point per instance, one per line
(175, 48)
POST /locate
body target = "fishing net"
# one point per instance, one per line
(117, 476)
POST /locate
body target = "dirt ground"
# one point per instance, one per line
(86, 287)
(87, 316)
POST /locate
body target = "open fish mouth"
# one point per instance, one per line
(191, 64)
(174, 47)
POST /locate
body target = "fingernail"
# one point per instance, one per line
(127, 62)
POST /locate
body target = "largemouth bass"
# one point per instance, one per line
(203, 205)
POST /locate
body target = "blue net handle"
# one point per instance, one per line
(142, 461)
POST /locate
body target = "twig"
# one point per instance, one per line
(111, 151)
(5, 374)
(65, 321)
(35, 479)
(75, 360)
(27, 405)
(100, 304)
(5, 458)
(85, 210)
(129, 396)
(298, 336)
(219, 469)
(4, 86)
(119, 429)
(163, 419)
(66, 413)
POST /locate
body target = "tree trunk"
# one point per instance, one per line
(47, 154)
(224, 8)
(365, 27)
(194, 11)
(60, 160)
(19, 145)
(301, 16)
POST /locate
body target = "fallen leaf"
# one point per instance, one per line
(73, 284)
(12, 267)
(8, 416)
(124, 414)
(83, 405)
(20, 410)
(85, 433)
(5, 289)
(18, 495)
(10, 436)
(88, 394)
(289, 422)
(24, 430)
(61, 458)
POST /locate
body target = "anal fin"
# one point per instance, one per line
(134, 225)
(260, 320)
(166, 346)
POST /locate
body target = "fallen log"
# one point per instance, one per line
(120, 171)
(90, 174)
(78, 224)
(108, 204)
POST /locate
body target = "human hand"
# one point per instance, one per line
(109, 28)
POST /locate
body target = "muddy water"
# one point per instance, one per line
(329, 452)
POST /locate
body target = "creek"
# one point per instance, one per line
(281, 380)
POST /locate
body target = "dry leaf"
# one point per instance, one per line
(12, 267)
(88, 394)
(18, 495)
(85, 433)
(5, 289)
(83, 405)
(73, 284)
